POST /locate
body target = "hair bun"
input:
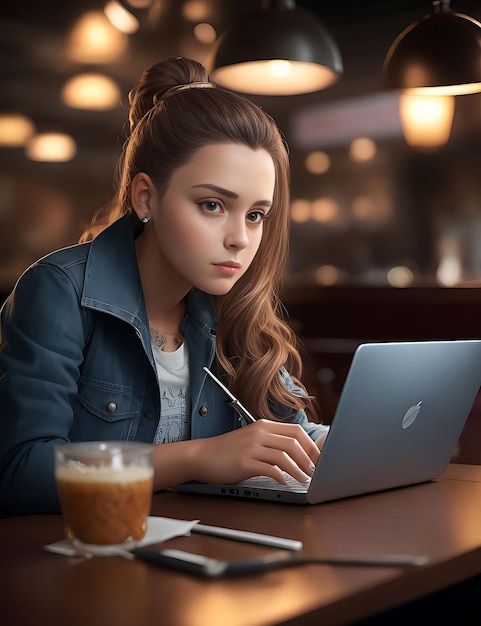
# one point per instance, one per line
(157, 80)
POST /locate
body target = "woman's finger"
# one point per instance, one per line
(283, 462)
(296, 441)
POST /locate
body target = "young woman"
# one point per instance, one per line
(107, 340)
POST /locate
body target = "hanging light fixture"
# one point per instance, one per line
(439, 54)
(91, 91)
(280, 49)
(94, 39)
(426, 120)
(51, 148)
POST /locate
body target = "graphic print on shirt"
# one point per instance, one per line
(173, 423)
(174, 386)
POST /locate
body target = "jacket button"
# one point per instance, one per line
(111, 407)
(149, 415)
(203, 411)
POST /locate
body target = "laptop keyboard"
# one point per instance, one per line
(264, 482)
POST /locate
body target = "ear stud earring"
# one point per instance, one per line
(146, 219)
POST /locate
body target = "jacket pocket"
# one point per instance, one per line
(105, 411)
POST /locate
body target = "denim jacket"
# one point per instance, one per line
(76, 364)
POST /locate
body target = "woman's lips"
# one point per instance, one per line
(229, 268)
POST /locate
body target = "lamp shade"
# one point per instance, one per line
(280, 49)
(437, 55)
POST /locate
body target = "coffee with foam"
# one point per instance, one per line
(103, 505)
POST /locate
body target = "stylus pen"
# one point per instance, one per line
(243, 413)
(242, 535)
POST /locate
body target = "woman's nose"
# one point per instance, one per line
(236, 235)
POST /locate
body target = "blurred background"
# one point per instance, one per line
(385, 233)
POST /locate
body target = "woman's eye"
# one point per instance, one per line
(255, 217)
(211, 206)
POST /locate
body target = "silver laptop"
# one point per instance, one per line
(399, 418)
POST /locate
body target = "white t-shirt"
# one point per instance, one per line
(173, 376)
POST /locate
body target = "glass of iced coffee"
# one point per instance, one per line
(105, 492)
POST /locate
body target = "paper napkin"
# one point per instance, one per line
(158, 529)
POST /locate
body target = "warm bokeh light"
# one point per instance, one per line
(51, 147)
(122, 19)
(375, 207)
(362, 149)
(449, 271)
(450, 267)
(93, 39)
(318, 162)
(326, 275)
(300, 211)
(15, 130)
(426, 121)
(324, 210)
(400, 276)
(205, 33)
(362, 207)
(195, 10)
(95, 92)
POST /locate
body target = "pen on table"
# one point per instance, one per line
(250, 537)
(244, 416)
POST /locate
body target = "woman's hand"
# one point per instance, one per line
(265, 448)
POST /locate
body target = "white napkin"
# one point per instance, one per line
(158, 529)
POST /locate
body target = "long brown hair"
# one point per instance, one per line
(253, 339)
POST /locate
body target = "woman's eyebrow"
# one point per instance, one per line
(221, 190)
(230, 194)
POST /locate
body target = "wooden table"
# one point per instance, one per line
(440, 519)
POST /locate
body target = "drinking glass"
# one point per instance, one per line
(105, 492)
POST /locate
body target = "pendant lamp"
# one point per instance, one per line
(426, 121)
(439, 54)
(280, 49)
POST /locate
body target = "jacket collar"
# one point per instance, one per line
(112, 281)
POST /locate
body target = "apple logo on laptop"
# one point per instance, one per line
(411, 415)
